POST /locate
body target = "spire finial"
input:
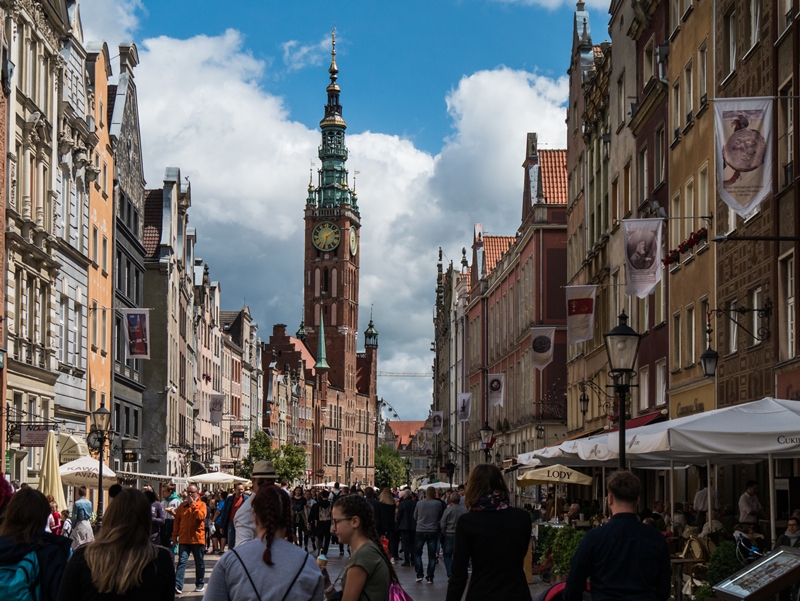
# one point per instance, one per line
(355, 174)
(333, 70)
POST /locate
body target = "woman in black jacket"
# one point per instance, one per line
(495, 537)
(22, 534)
(388, 509)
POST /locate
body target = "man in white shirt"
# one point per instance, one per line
(701, 505)
(244, 521)
(750, 509)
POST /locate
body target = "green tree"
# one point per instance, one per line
(389, 467)
(290, 464)
(260, 449)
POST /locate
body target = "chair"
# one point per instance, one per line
(694, 548)
(596, 521)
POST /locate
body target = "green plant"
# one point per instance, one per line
(704, 592)
(723, 563)
(544, 543)
(564, 545)
(389, 467)
(260, 449)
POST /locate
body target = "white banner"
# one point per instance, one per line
(464, 406)
(496, 385)
(438, 416)
(136, 324)
(743, 131)
(642, 245)
(34, 435)
(216, 405)
(542, 341)
(580, 313)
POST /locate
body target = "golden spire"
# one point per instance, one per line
(333, 70)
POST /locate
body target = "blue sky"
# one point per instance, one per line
(438, 97)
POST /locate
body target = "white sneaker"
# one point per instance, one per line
(200, 589)
(392, 560)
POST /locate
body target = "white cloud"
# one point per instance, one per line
(111, 22)
(298, 56)
(202, 110)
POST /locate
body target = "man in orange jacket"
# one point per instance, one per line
(189, 534)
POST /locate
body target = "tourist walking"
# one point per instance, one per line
(427, 514)
(30, 558)
(218, 538)
(157, 514)
(169, 501)
(625, 559)
(244, 523)
(494, 537)
(368, 573)
(388, 528)
(82, 532)
(123, 562)
(448, 523)
(300, 524)
(190, 536)
(233, 504)
(407, 525)
(319, 519)
(269, 567)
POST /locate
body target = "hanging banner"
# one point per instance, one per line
(743, 131)
(642, 244)
(464, 406)
(580, 313)
(438, 416)
(542, 341)
(496, 388)
(136, 323)
(216, 404)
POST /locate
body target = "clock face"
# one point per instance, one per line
(93, 440)
(353, 241)
(326, 236)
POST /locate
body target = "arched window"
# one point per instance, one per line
(333, 315)
(316, 313)
(325, 281)
(316, 282)
(334, 287)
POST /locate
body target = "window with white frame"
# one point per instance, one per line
(788, 320)
(753, 30)
(644, 388)
(660, 393)
(78, 335)
(643, 175)
(649, 63)
(702, 71)
(733, 328)
(93, 318)
(702, 191)
(786, 15)
(786, 134)
(659, 157)
(63, 330)
(688, 91)
(676, 342)
(691, 340)
(688, 206)
(674, 222)
(730, 41)
(674, 14)
(622, 100)
(677, 116)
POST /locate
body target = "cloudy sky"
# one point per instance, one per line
(438, 97)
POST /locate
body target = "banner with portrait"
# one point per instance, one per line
(642, 245)
(464, 406)
(580, 313)
(136, 324)
(216, 405)
(743, 132)
(542, 341)
(496, 388)
(437, 417)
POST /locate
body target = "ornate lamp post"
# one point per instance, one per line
(451, 465)
(101, 419)
(487, 432)
(622, 347)
(236, 453)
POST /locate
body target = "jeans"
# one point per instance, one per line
(324, 541)
(407, 537)
(231, 532)
(197, 551)
(449, 544)
(422, 539)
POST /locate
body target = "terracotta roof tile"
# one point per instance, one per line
(301, 347)
(494, 247)
(153, 214)
(554, 175)
(404, 431)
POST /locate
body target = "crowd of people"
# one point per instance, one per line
(274, 541)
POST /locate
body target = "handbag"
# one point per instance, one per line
(396, 593)
(253, 584)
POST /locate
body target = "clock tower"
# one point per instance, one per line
(332, 249)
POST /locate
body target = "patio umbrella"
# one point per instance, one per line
(49, 478)
(556, 474)
(84, 472)
(218, 478)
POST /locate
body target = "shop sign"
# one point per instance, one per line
(130, 457)
(684, 409)
(33, 435)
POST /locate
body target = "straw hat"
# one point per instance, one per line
(264, 469)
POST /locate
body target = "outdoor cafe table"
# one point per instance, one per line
(678, 563)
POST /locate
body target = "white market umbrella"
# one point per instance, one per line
(553, 474)
(49, 477)
(438, 485)
(218, 478)
(84, 472)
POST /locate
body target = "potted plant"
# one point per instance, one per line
(544, 556)
(564, 545)
(723, 565)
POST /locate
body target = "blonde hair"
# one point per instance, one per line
(118, 556)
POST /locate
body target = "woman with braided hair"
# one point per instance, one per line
(368, 573)
(270, 567)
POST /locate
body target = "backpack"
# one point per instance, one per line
(20, 581)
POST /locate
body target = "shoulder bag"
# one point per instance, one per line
(253, 584)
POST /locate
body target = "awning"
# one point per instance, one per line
(642, 420)
(71, 447)
(145, 477)
(575, 436)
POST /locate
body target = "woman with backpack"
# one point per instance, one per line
(122, 562)
(269, 567)
(32, 561)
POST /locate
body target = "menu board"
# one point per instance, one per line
(762, 578)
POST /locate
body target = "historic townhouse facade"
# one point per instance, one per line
(208, 442)
(168, 398)
(5, 136)
(34, 31)
(235, 418)
(75, 175)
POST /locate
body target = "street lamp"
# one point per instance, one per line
(709, 357)
(539, 431)
(622, 347)
(451, 466)
(583, 401)
(101, 419)
(408, 471)
(487, 432)
(498, 459)
(236, 453)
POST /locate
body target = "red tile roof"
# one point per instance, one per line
(494, 247)
(301, 347)
(153, 215)
(404, 431)
(554, 175)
